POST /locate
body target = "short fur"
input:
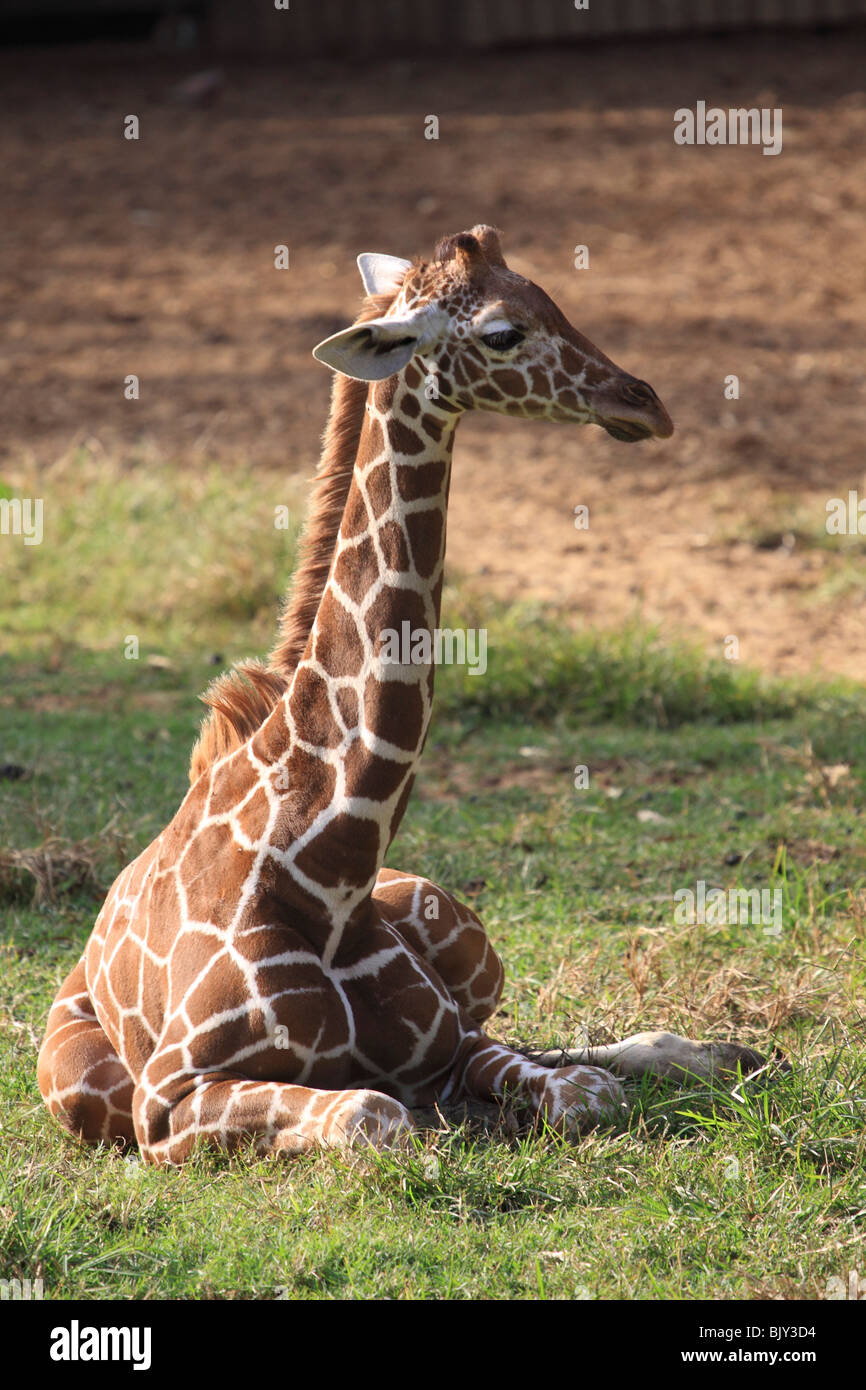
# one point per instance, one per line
(241, 699)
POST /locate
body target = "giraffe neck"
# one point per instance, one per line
(346, 737)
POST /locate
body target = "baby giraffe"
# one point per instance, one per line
(255, 974)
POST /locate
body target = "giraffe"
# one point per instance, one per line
(256, 975)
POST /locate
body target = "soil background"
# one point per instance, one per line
(156, 257)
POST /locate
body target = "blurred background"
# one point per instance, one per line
(305, 127)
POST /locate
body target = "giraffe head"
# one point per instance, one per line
(487, 338)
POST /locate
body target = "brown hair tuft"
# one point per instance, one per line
(241, 699)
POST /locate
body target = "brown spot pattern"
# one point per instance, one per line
(264, 899)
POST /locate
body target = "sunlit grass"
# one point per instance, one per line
(706, 1192)
(140, 547)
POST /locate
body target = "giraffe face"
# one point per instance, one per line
(489, 339)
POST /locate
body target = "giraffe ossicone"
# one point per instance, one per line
(256, 974)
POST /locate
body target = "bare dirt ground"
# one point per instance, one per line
(155, 257)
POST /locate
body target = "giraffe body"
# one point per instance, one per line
(256, 974)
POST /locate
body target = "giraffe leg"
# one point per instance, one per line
(83, 1081)
(447, 934)
(661, 1054)
(224, 1112)
(570, 1099)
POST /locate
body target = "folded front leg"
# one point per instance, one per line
(224, 1112)
(82, 1079)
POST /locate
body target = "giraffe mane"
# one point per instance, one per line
(240, 700)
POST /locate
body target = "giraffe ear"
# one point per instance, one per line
(381, 274)
(371, 351)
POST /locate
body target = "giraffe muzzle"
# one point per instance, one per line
(635, 412)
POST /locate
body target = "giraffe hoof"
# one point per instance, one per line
(731, 1059)
(754, 1066)
(779, 1063)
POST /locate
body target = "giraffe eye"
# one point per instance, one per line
(503, 340)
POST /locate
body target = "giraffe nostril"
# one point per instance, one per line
(639, 393)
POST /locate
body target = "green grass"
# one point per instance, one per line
(704, 1193)
(146, 549)
(540, 666)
